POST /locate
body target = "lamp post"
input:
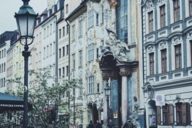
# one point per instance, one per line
(26, 23)
(107, 94)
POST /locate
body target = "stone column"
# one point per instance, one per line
(161, 115)
(124, 72)
(175, 118)
(106, 74)
(104, 104)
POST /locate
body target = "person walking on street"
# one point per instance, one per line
(110, 123)
(90, 124)
(98, 125)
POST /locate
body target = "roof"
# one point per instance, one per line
(78, 11)
(8, 35)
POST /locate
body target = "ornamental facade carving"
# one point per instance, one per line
(189, 35)
(176, 40)
(118, 48)
(149, 5)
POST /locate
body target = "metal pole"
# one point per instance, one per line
(74, 106)
(107, 110)
(26, 55)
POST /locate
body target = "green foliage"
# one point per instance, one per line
(43, 96)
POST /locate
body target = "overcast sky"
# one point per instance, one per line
(8, 9)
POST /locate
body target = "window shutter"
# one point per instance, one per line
(184, 114)
(170, 114)
(158, 115)
(188, 113)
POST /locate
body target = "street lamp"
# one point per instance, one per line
(107, 94)
(26, 18)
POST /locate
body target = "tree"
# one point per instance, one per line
(45, 98)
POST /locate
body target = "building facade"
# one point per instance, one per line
(6, 40)
(166, 33)
(15, 63)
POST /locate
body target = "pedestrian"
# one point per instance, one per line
(110, 123)
(98, 124)
(129, 124)
(90, 124)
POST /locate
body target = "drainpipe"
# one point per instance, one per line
(142, 36)
(69, 40)
(56, 66)
(56, 53)
(69, 65)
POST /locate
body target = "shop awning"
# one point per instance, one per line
(11, 103)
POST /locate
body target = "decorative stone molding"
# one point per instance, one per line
(126, 68)
(149, 5)
(150, 49)
(161, 2)
(106, 74)
(162, 45)
(189, 35)
(113, 3)
(176, 40)
(124, 71)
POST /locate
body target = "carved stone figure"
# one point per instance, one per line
(119, 49)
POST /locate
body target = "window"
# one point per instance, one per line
(168, 114)
(176, 10)
(97, 19)
(80, 28)
(178, 56)
(4, 52)
(80, 59)
(151, 63)
(90, 19)
(150, 21)
(102, 14)
(67, 70)
(67, 49)
(121, 20)
(98, 88)
(59, 33)
(63, 31)
(50, 49)
(63, 51)
(73, 62)
(67, 8)
(91, 85)
(90, 52)
(190, 7)
(4, 67)
(59, 72)
(63, 72)
(44, 51)
(162, 16)
(68, 29)
(97, 52)
(51, 29)
(73, 33)
(60, 53)
(183, 113)
(164, 60)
